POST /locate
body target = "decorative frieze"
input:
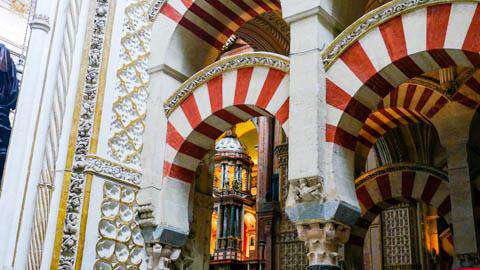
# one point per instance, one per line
(369, 21)
(112, 170)
(219, 67)
(323, 241)
(85, 127)
(416, 167)
(131, 86)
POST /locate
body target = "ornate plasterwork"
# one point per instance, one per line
(307, 189)
(131, 87)
(372, 174)
(120, 244)
(70, 230)
(323, 241)
(155, 9)
(219, 67)
(371, 20)
(113, 170)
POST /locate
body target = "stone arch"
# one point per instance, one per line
(468, 93)
(190, 34)
(384, 49)
(407, 104)
(386, 186)
(223, 94)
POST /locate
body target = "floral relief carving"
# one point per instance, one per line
(75, 199)
(112, 170)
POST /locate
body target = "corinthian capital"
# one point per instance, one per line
(323, 241)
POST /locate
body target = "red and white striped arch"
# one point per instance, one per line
(390, 185)
(215, 106)
(407, 104)
(408, 45)
(214, 21)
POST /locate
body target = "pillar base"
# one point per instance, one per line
(323, 267)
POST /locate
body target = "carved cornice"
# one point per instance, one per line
(113, 171)
(154, 9)
(371, 20)
(262, 59)
(416, 167)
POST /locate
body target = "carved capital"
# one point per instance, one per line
(323, 241)
(40, 21)
(161, 256)
(307, 189)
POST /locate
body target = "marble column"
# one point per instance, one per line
(316, 201)
(27, 144)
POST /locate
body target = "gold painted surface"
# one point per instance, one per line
(368, 16)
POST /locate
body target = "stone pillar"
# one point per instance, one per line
(27, 143)
(453, 126)
(463, 220)
(315, 202)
